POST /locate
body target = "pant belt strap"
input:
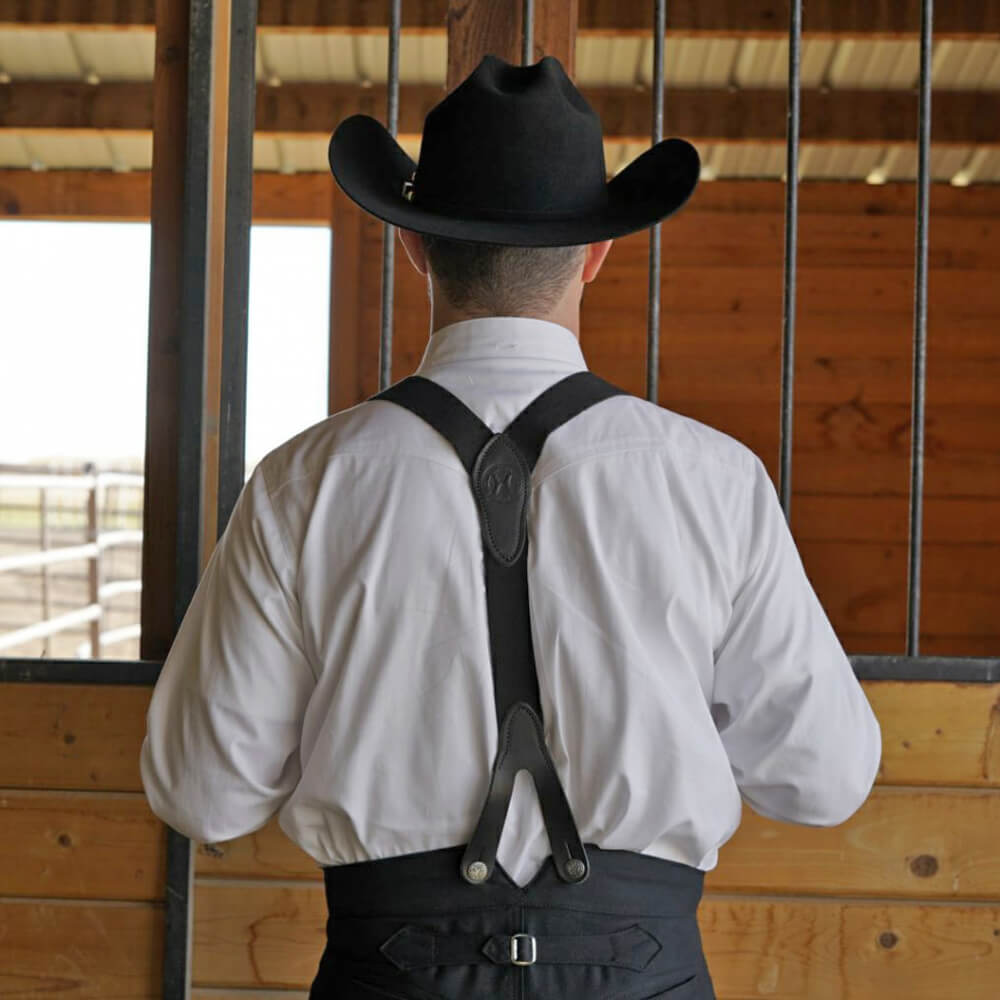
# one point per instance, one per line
(413, 947)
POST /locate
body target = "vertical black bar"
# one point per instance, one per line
(920, 334)
(527, 31)
(791, 229)
(191, 390)
(389, 231)
(653, 308)
(236, 267)
(192, 325)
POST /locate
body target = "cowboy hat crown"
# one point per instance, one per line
(513, 155)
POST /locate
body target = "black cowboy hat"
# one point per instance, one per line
(513, 155)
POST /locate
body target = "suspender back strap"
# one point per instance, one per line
(499, 466)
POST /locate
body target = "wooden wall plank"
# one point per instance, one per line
(105, 196)
(89, 737)
(304, 198)
(921, 843)
(252, 935)
(938, 734)
(347, 283)
(261, 936)
(791, 950)
(883, 291)
(933, 734)
(911, 843)
(266, 853)
(81, 846)
(76, 736)
(930, 644)
(78, 951)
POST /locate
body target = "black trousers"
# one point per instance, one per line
(411, 928)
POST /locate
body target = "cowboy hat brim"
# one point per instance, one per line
(371, 167)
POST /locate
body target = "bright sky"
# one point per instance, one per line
(73, 325)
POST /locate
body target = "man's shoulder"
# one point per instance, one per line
(633, 422)
(369, 429)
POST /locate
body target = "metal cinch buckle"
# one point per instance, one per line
(515, 950)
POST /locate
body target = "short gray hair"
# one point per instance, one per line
(500, 280)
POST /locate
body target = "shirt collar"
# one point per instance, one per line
(493, 337)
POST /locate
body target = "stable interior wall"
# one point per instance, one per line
(902, 900)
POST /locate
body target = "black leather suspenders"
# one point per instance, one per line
(499, 467)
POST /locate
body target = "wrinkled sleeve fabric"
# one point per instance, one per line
(223, 727)
(801, 736)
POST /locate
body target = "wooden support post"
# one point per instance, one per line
(555, 31)
(159, 512)
(346, 315)
(478, 27)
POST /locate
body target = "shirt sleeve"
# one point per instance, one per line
(801, 736)
(221, 751)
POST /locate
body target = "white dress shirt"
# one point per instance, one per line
(333, 665)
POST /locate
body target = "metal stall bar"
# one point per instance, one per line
(791, 230)
(236, 267)
(192, 334)
(527, 31)
(956, 669)
(388, 230)
(653, 307)
(920, 334)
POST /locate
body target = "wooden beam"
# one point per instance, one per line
(474, 29)
(708, 114)
(104, 196)
(760, 18)
(304, 199)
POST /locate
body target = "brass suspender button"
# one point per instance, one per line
(575, 868)
(476, 872)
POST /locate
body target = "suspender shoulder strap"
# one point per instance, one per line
(499, 466)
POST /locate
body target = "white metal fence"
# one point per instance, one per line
(91, 487)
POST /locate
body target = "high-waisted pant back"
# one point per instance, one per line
(411, 928)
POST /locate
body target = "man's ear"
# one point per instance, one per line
(414, 247)
(596, 252)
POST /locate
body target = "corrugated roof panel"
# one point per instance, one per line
(823, 162)
(875, 65)
(13, 153)
(973, 65)
(117, 55)
(43, 55)
(948, 161)
(600, 60)
(79, 150)
(424, 59)
(307, 155)
(133, 151)
(610, 61)
(265, 153)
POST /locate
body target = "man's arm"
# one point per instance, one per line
(220, 754)
(802, 739)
